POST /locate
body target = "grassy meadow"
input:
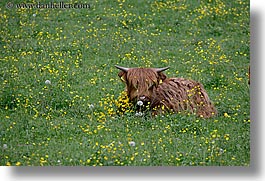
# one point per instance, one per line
(60, 92)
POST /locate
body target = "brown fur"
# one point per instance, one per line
(162, 93)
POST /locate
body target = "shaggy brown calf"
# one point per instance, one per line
(151, 87)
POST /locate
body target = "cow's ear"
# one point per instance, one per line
(162, 76)
(122, 75)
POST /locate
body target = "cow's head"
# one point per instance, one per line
(141, 82)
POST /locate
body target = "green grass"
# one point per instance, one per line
(74, 120)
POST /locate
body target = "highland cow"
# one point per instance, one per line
(158, 93)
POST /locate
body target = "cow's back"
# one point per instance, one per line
(179, 94)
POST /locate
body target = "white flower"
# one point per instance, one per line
(91, 106)
(132, 143)
(139, 114)
(47, 82)
(34, 15)
(4, 146)
(221, 151)
(140, 103)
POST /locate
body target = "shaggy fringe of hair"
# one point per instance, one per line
(142, 78)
